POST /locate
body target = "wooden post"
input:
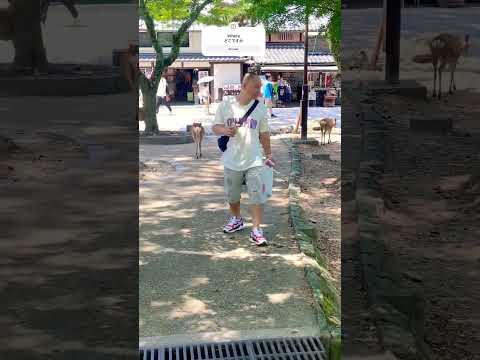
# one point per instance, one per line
(304, 102)
(393, 29)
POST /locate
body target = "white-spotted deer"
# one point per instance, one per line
(445, 49)
(198, 132)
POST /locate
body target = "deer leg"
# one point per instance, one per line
(454, 67)
(329, 133)
(200, 145)
(434, 78)
(440, 69)
(450, 89)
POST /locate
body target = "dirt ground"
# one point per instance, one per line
(321, 195)
(432, 198)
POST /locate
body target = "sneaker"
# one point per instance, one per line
(256, 237)
(234, 224)
(274, 116)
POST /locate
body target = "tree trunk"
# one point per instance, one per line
(149, 108)
(30, 53)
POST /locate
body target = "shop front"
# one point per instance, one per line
(182, 76)
(321, 80)
(285, 62)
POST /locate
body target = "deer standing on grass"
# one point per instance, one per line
(445, 49)
(325, 125)
(198, 132)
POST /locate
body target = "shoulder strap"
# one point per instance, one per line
(247, 114)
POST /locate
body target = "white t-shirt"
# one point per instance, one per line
(244, 150)
(162, 88)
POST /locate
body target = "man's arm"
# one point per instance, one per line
(265, 141)
(223, 130)
(219, 128)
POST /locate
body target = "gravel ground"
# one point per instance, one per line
(359, 336)
(432, 216)
(196, 279)
(321, 196)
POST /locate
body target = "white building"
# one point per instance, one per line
(284, 54)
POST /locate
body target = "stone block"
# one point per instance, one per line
(320, 156)
(408, 88)
(308, 230)
(309, 141)
(435, 126)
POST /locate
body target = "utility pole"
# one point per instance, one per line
(393, 29)
(304, 101)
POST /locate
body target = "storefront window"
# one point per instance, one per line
(165, 39)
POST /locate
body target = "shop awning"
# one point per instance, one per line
(299, 68)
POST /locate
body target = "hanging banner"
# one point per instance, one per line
(233, 41)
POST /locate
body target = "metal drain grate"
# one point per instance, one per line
(294, 348)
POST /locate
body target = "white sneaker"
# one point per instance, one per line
(256, 237)
(234, 224)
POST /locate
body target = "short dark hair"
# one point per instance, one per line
(268, 76)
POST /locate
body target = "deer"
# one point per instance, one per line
(198, 132)
(325, 125)
(445, 49)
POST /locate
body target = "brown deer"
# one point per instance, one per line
(198, 132)
(325, 125)
(445, 49)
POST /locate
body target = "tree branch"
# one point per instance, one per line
(150, 24)
(195, 10)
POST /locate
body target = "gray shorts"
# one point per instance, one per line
(233, 185)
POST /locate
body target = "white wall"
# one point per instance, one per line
(107, 27)
(226, 74)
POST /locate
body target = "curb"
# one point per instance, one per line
(327, 298)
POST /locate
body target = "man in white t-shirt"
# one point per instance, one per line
(244, 158)
(162, 95)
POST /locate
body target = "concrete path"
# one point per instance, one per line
(193, 278)
(186, 114)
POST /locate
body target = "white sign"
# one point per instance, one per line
(233, 41)
(202, 74)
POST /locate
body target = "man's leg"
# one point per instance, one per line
(233, 186)
(257, 215)
(166, 103)
(235, 209)
(270, 107)
(257, 197)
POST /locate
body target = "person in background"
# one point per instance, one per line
(162, 95)
(275, 92)
(267, 91)
(204, 94)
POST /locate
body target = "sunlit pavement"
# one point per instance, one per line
(185, 115)
(195, 279)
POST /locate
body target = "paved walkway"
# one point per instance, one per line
(195, 279)
(185, 115)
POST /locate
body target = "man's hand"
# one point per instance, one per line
(270, 161)
(230, 132)
(223, 130)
